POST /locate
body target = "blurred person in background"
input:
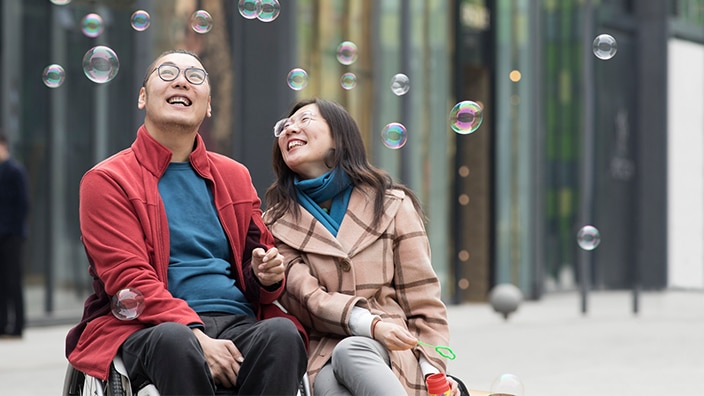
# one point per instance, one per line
(14, 208)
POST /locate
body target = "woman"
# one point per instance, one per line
(359, 275)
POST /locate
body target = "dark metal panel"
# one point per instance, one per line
(263, 54)
(651, 221)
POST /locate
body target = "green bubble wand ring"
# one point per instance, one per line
(444, 351)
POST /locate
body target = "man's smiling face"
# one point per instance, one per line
(178, 102)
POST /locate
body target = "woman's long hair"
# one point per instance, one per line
(349, 155)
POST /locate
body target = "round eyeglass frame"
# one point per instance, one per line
(187, 72)
(302, 121)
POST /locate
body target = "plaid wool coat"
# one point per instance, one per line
(386, 269)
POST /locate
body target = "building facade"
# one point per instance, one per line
(567, 139)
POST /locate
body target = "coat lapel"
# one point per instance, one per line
(356, 228)
(306, 234)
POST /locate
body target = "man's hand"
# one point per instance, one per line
(268, 266)
(223, 358)
(393, 336)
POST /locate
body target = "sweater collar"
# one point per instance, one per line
(155, 157)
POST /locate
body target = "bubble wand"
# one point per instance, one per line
(444, 351)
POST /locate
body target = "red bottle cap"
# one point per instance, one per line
(437, 384)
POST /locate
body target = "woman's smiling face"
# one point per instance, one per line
(305, 142)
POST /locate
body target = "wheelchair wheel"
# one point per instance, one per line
(304, 386)
(115, 382)
(73, 382)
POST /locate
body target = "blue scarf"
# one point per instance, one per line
(335, 185)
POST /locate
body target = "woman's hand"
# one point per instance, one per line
(223, 358)
(393, 336)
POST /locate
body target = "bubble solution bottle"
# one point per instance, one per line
(438, 385)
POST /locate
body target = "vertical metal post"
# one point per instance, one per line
(405, 99)
(102, 104)
(57, 150)
(537, 109)
(584, 258)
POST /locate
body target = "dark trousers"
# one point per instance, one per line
(11, 300)
(170, 357)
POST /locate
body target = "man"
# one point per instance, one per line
(14, 206)
(182, 226)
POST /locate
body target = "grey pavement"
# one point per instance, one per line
(549, 344)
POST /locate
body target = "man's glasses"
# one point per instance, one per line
(194, 75)
(287, 123)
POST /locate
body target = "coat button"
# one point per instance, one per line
(345, 265)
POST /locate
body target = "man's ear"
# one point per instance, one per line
(142, 99)
(209, 110)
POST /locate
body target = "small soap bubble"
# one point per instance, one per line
(297, 79)
(100, 64)
(394, 135)
(400, 84)
(604, 46)
(348, 81)
(249, 8)
(53, 76)
(588, 237)
(466, 117)
(201, 22)
(127, 304)
(92, 25)
(347, 52)
(140, 20)
(269, 10)
(506, 385)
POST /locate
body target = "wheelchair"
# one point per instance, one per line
(77, 383)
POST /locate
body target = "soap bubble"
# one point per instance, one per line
(297, 79)
(604, 46)
(394, 135)
(400, 84)
(100, 64)
(140, 20)
(249, 8)
(92, 25)
(348, 81)
(466, 117)
(53, 76)
(201, 22)
(347, 52)
(588, 237)
(506, 385)
(269, 10)
(127, 304)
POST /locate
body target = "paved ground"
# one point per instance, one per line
(549, 344)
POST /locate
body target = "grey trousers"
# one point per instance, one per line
(359, 366)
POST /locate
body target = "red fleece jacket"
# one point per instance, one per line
(126, 237)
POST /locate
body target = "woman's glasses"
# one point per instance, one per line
(302, 121)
